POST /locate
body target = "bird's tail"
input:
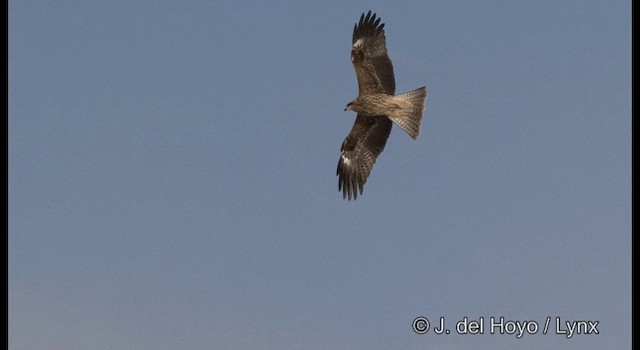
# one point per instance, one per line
(409, 118)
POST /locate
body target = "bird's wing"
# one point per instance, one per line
(359, 151)
(369, 57)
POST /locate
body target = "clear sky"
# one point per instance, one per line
(172, 176)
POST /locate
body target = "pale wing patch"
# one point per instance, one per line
(358, 43)
(346, 161)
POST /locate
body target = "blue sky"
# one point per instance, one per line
(172, 175)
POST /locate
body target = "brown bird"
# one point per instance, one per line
(377, 107)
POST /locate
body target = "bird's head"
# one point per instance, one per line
(349, 106)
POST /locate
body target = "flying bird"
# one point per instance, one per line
(377, 107)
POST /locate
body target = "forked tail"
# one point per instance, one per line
(409, 118)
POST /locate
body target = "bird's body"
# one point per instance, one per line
(377, 107)
(375, 104)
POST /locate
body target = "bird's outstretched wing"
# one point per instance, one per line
(369, 57)
(359, 152)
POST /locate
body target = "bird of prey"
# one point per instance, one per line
(377, 107)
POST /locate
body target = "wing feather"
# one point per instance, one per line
(359, 152)
(369, 57)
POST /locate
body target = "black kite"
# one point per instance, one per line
(376, 106)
